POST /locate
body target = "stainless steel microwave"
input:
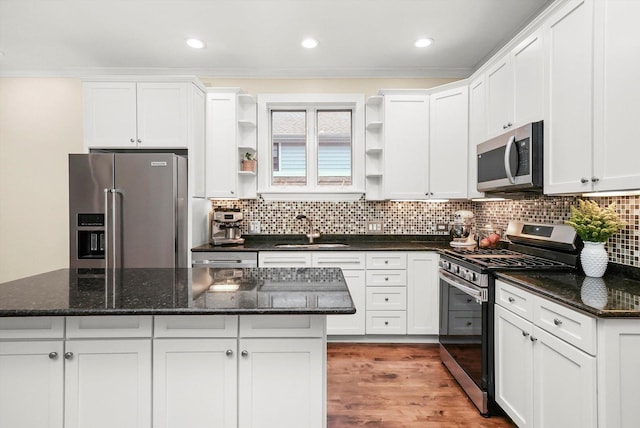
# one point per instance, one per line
(512, 161)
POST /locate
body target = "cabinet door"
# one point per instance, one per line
(406, 140)
(477, 132)
(351, 324)
(194, 383)
(617, 95)
(527, 60)
(564, 384)
(499, 79)
(423, 291)
(107, 383)
(162, 115)
(281, 383)
(514, 367)
(197, 158)
(110, 114)
(568, 137)
(221, 151)
(449, 127)
(31, 384)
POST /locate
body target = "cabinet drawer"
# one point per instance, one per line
(32, 328)
(386, 322)
(195, 326)
(284, 259)
(465, 322)
(515, 299)
(109, 326)
(392, 278)
(571, 326)
(346, 260)
(387, 298)
(386, 260)
(282, 325)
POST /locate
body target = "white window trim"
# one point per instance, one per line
(268, 102)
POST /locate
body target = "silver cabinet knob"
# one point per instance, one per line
(386, 278)
(139, 141)
(594, 179)
(556, 321)
(53, 355)
(584, 180)
(525, 334)
(511, 300)
(68, 355)
(229, 352)
(232, 192)
(386, 299)
(386, 323)
(132, 140)
(533, 338)
(244, 354)
(386, 262)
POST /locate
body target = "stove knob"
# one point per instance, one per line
(470, 276)
(456, 269)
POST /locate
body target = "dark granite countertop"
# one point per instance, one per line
(197, 291)
(617, 294)
(355, 243)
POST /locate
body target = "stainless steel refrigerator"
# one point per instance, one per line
(127, 210)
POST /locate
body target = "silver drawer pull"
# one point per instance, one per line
(229, 353)
(244, 354)
(556, 321)
(386, 323)
(525, 334)
(386, 299)
(386, 278)
(511, 300)
(386, 262)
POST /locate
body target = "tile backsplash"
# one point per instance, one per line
(421, 218)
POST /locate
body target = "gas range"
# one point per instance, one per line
(467, 296)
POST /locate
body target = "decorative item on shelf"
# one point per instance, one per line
(594, 225)
(249, 162)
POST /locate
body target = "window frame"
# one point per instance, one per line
(311, 103)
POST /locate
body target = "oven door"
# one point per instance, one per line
(465, 346)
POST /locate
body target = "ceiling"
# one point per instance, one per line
(256, 38)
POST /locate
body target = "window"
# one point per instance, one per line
(314, 143)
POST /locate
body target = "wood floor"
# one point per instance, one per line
(396, 386)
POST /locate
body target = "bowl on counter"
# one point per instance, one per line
(489, 236)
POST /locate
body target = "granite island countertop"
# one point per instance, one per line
(354, 243)
(617, 294)
(197, 291)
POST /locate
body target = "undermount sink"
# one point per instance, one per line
(311, 245)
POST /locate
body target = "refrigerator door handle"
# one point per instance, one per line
(106, 228)
(114, 229)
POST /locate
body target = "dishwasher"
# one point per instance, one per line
(224, 259)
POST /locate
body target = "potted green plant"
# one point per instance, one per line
(248, 163)
(594, 224)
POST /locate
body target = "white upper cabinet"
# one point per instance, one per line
(616, 95)
(568, 137)
(230, 134)
(477, 132)
(136, 114)
(406, 143)
(515, 87)
(448, 145)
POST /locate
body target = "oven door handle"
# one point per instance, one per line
(480, 294)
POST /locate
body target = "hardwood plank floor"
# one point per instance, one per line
(396, 385)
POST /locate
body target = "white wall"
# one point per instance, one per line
(40, 123)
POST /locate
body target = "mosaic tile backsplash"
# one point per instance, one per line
(421, 218)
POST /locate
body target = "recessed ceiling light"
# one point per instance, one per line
(195, 43)
(423, 43)
(309, 43)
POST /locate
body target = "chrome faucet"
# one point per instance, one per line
(313, 233)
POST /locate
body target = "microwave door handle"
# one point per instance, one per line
(507, 156)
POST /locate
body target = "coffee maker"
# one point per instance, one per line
(224, 226)
(461, 230)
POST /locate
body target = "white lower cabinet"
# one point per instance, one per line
(281, 383)
(31, 384)
(195, 383)
(540, 379)
(107, 383)
(423, 293)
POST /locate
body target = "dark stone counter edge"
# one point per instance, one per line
(355, 242)
(177, 311)
(565, 302)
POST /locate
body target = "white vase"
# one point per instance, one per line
(594, 259)
(594, 292)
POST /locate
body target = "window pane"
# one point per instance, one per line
(289, 148)
(334, 147)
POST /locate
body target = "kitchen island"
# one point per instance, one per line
(167, 347)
